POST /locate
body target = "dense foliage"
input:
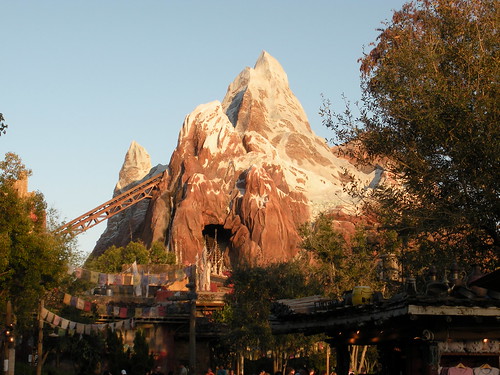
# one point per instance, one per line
(32, 259)
(141, 361)
(248, 308)
(340, 265)
(90, 354)
(430, 111)
(114, 257)
(3, 125)
(86, 352)
(115, 355)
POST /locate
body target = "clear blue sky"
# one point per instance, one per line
(81, 79)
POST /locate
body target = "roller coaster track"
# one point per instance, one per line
(113, 206)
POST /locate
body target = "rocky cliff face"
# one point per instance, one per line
(128, 224)
(244, 175)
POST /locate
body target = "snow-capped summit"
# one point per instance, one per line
(136, 165)
(245, 174)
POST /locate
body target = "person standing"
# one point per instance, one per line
(157, 371)
(182, 369)
(221, 371)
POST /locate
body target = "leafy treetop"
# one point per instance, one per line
(32, 260)
(114, 257)
(430, 109)
(248, 307)
(3, 125)
(341, 265)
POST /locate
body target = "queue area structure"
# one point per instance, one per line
(159, 301)
(165, 316)
(426, 334)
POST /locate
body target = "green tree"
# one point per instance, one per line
(339, 264)
(115, 354)
(3, 125)
(86, 352)
(109, 261)
(430, 110)
(141, 361)
(135, 252)
(32, 259)
(13, 170)
(158, 254)
(249, 306)
(114, 257)
(342, 263)
(329, 248)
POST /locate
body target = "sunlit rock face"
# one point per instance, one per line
(136, 166)
(128, 224)
(245, 174)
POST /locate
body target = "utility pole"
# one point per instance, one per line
(39, 348)
(192, 321)
(10, 348)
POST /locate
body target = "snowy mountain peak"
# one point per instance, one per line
(261, 100)
(248, 172)
(269, 68)
(136, 165)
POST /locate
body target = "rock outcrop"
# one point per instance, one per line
(128, 224)
(245, 174)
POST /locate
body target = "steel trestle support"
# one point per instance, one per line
(113, 206)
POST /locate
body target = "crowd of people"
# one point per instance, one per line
(219, 370)
(182, 370)
(289, 371)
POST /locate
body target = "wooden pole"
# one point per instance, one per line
(192, 338)
(12, 360)
(10, 347)
(192, 323)
(8, 322)
(327, 358)
(39, 349)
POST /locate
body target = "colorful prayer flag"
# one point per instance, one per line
(64, 323)
(67, 299)
(94, 277)
(123, 312)
(57, 320)
(80, 304)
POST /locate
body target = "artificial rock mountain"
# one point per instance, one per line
(246, 173)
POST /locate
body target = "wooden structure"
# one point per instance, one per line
(169, 336)
(413, 334)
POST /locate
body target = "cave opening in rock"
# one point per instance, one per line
(218, 244)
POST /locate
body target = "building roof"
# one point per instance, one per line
(489, 281)
(401, 316)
